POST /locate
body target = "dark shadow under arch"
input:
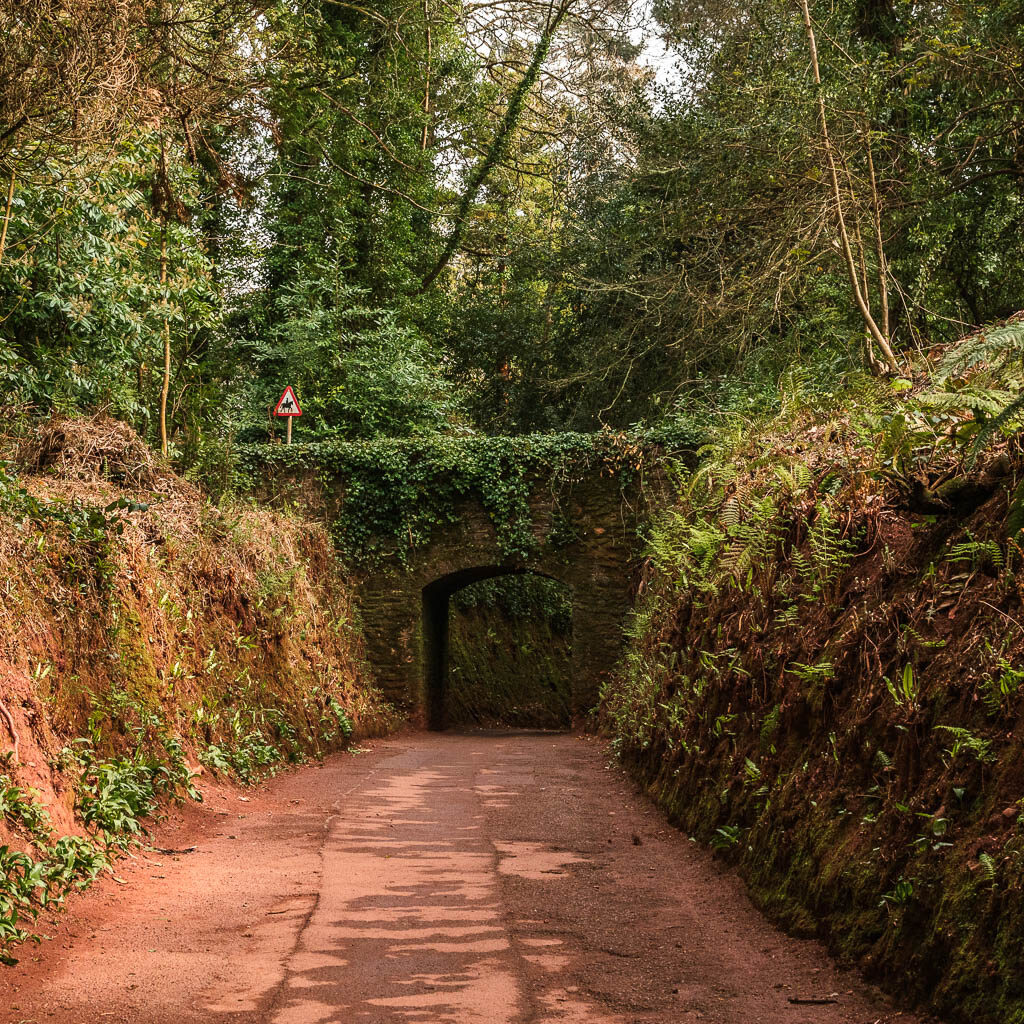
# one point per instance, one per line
(436, 618)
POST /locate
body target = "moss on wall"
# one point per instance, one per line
(510, 654)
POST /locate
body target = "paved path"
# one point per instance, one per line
(472, 879)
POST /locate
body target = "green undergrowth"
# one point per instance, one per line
(91, 529)
(526, 596)
(38, 878)
(393, 494)
(824, 675)
(260, 740)
(118, 795)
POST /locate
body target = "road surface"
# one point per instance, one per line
(472, 879)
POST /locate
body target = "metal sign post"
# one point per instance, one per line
(288, 408)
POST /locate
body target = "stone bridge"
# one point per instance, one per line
(581, 518)
(405, 610)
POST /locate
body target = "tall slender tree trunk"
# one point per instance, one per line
(425, 140)
(7, 214)
(499, 147)
(166, 385)
(883, 264)
(851, 265)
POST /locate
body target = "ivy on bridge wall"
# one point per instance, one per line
(393, 495)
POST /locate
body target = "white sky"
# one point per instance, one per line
(661, 58)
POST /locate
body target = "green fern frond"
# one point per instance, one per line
(979, 553)
(1015, 517)
(964, 741)
(794, 480)
(982, 402)
(994, 346)
(729, 514)
(996, 355)
(1003, 421)
(793, 388)
(988, 866)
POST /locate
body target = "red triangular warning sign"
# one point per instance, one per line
(288, 405)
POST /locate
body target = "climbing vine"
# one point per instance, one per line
(395, 493)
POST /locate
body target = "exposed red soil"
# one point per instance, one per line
(466, 878)
(132, 606)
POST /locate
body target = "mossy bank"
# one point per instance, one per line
(825, 682)
(149, 638)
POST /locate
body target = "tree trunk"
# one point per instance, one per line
(424, 142)
(883, 264)
(851, 266)
(166, 386)
(499, 147)
(7, 215)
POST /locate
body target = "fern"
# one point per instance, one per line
(717, 467)
(1015, 516)
(997, 692)
(964, 741)
(994, 347)
(989, 355)
(769, 727)
(754, 538)
(988, 866)
(980, 553)
(830, 552)
(729, 514)
(823, 670)
(982, 402)
(794, 386)
(1004, 420)
(795, 479)
(912, 638)
(786, 617)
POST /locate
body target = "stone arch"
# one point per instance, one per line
(404, 609)
(565, 506)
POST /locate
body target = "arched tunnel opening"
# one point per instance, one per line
(498, 650)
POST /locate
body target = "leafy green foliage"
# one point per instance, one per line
(80, 293)
(91, 528)
(256, 741)
(31, 882)
(726, 837)
(616, 243)
(360, 373)
(904, 691)
(979, 553)
(527, 597)
(250, 758)
(396, 492)
(964, 741)
(900, 894)
(821, 672)
(999, 690)
(115, 793)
